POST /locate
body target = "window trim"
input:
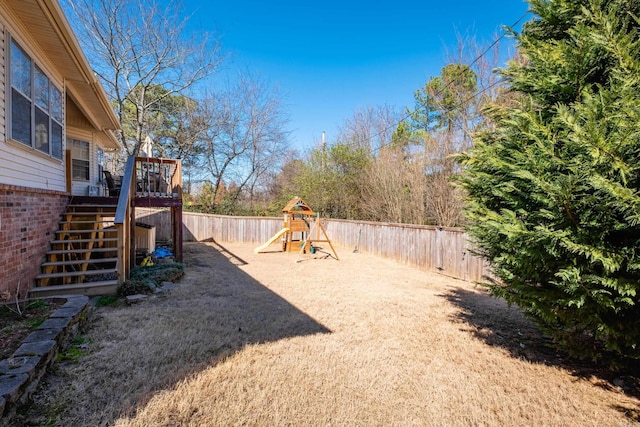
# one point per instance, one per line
(54, 152)
(70, 143)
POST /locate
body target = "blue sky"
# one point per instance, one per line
(330, 58)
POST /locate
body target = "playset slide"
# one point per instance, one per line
(271, 240)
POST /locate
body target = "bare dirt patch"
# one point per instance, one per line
(248, 339)
(19, 320)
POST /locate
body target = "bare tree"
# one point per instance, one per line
(485, 59)
(369, 127)
(247, 140)
(142, 54)
(180, 126)
(444, 202)
(395, 188)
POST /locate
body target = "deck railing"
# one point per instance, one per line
(157, 177)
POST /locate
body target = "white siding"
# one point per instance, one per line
(21, 165)
(24, 167)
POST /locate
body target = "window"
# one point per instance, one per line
(79, 159)
(36, 105)
(100, 158)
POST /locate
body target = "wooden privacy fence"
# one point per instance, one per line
(445, 250)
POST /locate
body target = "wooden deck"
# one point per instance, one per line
(97, 234)
(159, 185)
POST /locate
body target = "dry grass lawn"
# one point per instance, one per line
(261, 340)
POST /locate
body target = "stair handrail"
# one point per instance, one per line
(123, 220)
(126, 191)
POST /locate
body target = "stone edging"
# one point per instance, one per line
(21, 373)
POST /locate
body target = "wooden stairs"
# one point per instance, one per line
(83, 258)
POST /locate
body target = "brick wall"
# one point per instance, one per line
(28, 221)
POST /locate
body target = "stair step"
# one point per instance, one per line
(103, 240)
(89, 213)
(75, 262)
(76, 273)
(108, 287)
(87, 206)
(91, 207)
(86, 222)
(89, 230)
(80, 251)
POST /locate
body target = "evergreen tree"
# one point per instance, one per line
(554, 186)
(445, 100)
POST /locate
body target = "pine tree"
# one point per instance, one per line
(554, 185)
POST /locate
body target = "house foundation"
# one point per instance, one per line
(28, 220)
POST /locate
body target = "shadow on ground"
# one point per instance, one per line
(260, 314)
(497, 324)
(139, 351)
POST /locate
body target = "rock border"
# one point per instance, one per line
(21, 373)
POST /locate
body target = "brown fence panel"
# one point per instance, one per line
(159, 218)
(237, 229)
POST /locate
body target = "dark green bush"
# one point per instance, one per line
(135, 286)
(144, 280)
(554, 183)
(106, 300)
(168, 272)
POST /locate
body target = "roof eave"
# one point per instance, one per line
(101, 115)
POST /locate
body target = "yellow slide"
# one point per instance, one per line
(271, 240)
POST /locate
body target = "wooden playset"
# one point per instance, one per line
(300, 231)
